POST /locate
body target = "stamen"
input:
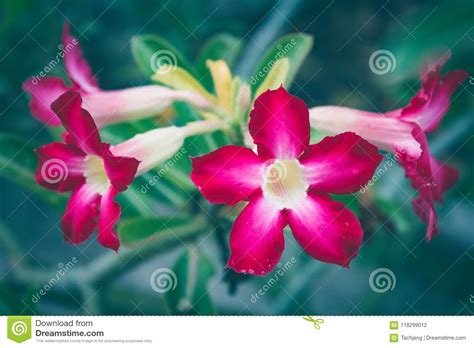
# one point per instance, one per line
(284, 183)
(96, 176)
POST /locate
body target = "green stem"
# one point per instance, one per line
(110, 265)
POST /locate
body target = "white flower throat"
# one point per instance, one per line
(284, 183)
(95, 174)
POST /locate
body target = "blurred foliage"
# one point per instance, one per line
(432, 278)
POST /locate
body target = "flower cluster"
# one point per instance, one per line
(279, 179)
(94, 171)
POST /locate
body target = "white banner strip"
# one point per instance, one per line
(238, 332)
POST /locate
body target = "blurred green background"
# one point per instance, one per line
(429, 278)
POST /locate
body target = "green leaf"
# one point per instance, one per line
(181, 79)
(275, 77)
(150, 51)
(117, 133)
(191, 296)
(18, 163)
(221, 46)
(295, 47)
(135, 230)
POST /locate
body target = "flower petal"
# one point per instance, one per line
(108, 217)
(79, 219)
(424, 208)
(387, 133)
(77, 67)
(228, 175)
(420, 173)
(43, 92)
(444, 177)
(432, 101)
(341, 164)
(279, 125)
(108, 107)
(326, 229)
(60, 167)
(120, 170)
(143, 146)
(78, 122)
(256, 239)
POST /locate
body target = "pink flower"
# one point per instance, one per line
(86, 166)
(106, 107)
(287, 183)
(402, 131)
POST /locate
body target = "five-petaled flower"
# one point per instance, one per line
(106, 107)
(287, 183)
(94, 174)
(402, 131)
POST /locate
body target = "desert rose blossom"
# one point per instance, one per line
(106, 107)
(96, 172)
(403, 132)
(287, 182)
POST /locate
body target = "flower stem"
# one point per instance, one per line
(111, 264)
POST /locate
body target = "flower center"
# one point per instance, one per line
(284, 183)
(96, 176)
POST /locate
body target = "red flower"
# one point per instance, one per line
(86, 166)
(402, 131)
(287, 182)
(106, 107)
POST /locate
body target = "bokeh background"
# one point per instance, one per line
(428, 278)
